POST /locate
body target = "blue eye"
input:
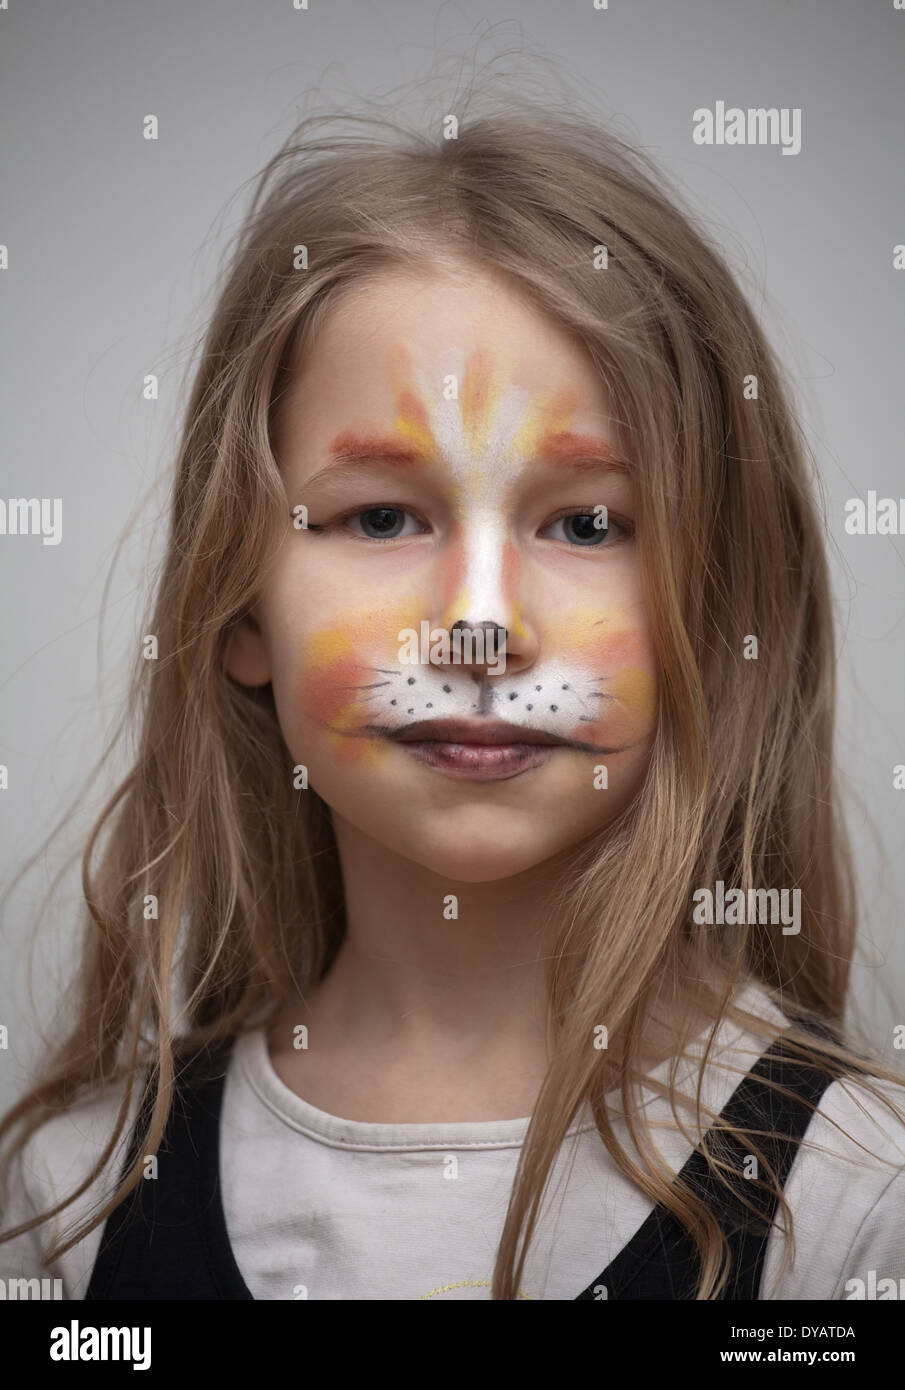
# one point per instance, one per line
(383, 523)
(584, 529)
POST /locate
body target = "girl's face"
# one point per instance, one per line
(454, 451)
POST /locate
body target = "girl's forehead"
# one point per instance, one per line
(462, 406)
(467, 375)
(398, 332)
(479, 426)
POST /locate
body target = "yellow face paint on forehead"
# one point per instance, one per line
(474, 416)
(412, 414)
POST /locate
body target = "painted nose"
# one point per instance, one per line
(486, 651)
(481, 588)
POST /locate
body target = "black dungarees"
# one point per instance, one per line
(168, 1239)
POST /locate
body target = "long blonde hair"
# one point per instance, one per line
(740, 785)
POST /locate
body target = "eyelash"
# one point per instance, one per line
(624, 526)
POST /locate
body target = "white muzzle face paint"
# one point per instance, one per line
(550, 698)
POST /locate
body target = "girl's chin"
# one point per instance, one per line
(470, 854)
(479, 869)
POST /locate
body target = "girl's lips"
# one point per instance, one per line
(482, 762)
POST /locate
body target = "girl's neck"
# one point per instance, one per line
(434, 1007)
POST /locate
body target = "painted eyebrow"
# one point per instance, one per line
(349, 449)
(561, 449)
(564, 449)
(348, 453)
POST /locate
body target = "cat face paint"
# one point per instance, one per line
(456, 417)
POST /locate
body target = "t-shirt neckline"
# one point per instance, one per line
(253, 1059)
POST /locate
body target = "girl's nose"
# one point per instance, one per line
(482, 588)
(486, 653)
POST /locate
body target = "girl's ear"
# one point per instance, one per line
(245, 655)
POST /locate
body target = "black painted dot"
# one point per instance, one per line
(447, 688)
(537, 687)
(392, 702)
(565, 687)
(430, 704)
(554, 708)
(514, 695)
(411, 680)
(529, 707)
(410, 711)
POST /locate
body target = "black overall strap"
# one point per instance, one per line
(661, 1260)
(168, 1239)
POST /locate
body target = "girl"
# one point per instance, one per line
(476, 919)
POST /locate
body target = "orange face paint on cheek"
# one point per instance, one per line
(635, 690)
(330, 672)
(628, 716)
(582, 631)
(338, 671)
(621, 660)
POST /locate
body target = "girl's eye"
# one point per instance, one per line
(383, 523)
(584, 529)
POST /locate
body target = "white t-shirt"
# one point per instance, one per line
(323, 1207)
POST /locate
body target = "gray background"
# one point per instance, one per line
(113, 241)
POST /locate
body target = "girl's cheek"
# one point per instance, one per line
(619, 657)
(631, 716)
(339, 667)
